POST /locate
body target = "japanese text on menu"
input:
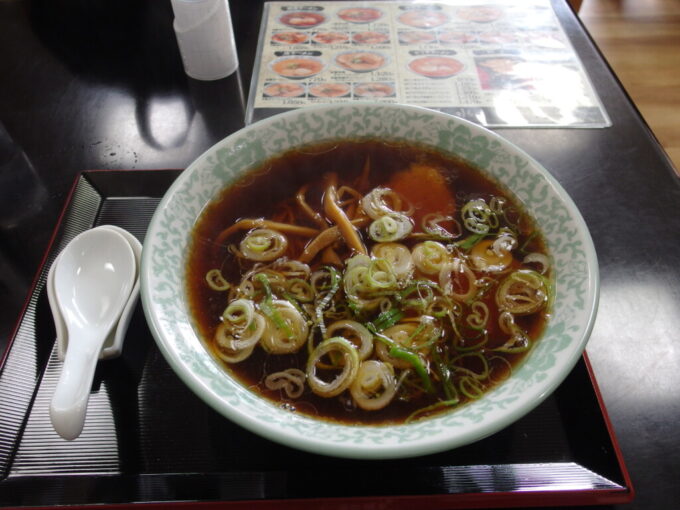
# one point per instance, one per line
(505, 63)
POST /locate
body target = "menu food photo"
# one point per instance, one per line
(496, 63)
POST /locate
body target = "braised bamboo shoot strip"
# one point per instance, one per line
(338, 216)
(326, 238)
(247, 224)
(306, 208)
(363, 182)
(349, 205)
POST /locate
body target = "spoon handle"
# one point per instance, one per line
(69, 402)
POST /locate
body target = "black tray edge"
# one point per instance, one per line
(606, 496)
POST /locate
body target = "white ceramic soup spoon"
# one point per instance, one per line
(92, 283)
(113, 345)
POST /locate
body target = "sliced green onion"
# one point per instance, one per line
(479, 315)
(374, 385)
(356, 333)
(293, 301)
(525, 244)
(478, 217)
(518, 343)
(431, 225)
(431, 408)
(467, 243)
(471, 387)
(461, 358)
(380, 274)
(343, 380)
(398, 255)
(385, 320)
(416, 362)
(301, 289)
(445, 376)
(269, 310)
(430, 256)
(390, 228)
(263, 244)
(323, 304)
(216, 281)
(523, 292)
(286, 331)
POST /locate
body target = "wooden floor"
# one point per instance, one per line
(641, 41)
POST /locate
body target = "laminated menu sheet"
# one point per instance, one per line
(495, 62)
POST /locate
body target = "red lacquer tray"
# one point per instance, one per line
(149, 439)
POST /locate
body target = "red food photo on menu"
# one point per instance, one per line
(297, 67)
(373, 90)
(416, 37)
(371, 38)
(436, 66)
(329, 89)
(302, 19)
(361, 61)
(330, 38)
(290, 38)
(503, 72)
(480, 13)
(423, 18)
(360, 14)
(452, 37)
(284, 90)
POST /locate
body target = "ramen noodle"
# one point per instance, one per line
(368, 282)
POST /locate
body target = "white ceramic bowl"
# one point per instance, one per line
(575, 265)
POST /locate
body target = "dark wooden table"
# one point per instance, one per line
(99, 85)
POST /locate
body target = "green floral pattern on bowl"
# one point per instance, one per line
(570, 245)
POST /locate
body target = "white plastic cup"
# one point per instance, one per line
(205, 37)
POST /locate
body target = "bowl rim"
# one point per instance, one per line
(540, 391)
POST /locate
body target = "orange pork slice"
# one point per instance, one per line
(426, 189)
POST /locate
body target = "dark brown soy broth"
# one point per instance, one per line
(268, 190)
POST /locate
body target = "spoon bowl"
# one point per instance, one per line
(93, 280)
(114, 342)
